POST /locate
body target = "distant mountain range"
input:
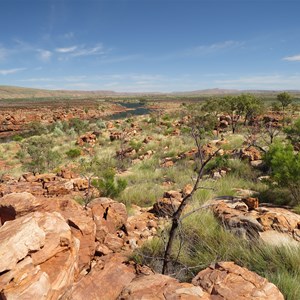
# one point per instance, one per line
(13, 92)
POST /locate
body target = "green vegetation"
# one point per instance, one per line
(108, 185)
(285, 168)
(37, 154)
(202, 241)
(73, 153)
(141, 175)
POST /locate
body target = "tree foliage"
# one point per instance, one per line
(40, 154)
(293, 132)
(285, 167)
(285, 99)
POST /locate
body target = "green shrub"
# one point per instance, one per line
(41, 156)
(276, 195)
(166, 118)
(79, 125)
(73, 153)
(17, 138)
(218, 162)
(285, 167)
(293, 132)
(135, 145)
(37, 128)
(108, 185)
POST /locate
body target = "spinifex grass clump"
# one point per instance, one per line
(201, 241)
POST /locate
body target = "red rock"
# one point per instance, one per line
(157, 286)
(252, 203)
(87, 138)
(109, 216)
(16, 205)
(228, 281)
(39, 254)
(59, 188)
(105, 282)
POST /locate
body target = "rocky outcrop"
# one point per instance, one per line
(106, 280)
(56, 249)
(110, 218)
(157, 286)
(16, 205)
(39, 257)
(49, 184)
(19, 119)
(247, 219)
(227, 281)
(88, 138)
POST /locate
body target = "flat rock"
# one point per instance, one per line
(228, 281)
(161, 287)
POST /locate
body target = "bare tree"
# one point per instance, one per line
(198, 135)
(271, 130)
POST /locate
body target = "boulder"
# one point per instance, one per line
(157, 286)
(39, 257)
(246, 218)
(251, 154)
(226, 280)
(16, 205)
(166, 206)
(106, 280)
(59, 188)
(251, 202)
(110, 218)
(87, 138)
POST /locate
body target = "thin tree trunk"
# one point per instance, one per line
(176, 216)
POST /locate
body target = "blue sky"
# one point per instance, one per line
(150, 45)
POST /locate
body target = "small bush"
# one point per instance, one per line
(73, 153)
(17, 138)
(218, 162)
(41, 156)
(108, 185)
(285, 167)
(135, 145)
(78, 125)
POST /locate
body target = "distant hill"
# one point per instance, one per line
(14, 92)
(215, 91)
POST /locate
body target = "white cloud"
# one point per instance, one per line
(83, 51)
(66, 50)
(292, 58)
(11, 71)
(44, 55)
